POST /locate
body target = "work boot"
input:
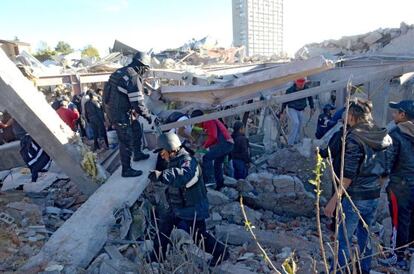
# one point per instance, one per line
(131, 172)
(140, 156)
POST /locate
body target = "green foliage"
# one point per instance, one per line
(90, 51)
(45, 54)
(63, 48)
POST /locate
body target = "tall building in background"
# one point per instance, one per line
(258, 25)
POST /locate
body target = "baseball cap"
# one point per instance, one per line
(406, 106)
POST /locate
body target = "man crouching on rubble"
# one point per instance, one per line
(187, 197)
(365, 162)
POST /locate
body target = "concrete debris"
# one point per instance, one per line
(395, 41)
(216, 198)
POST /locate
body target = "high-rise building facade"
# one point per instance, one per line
(258, 25)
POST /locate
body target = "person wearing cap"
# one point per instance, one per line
(295, 110)
(95, 117)
(219, 144)
(240, 155)
(124, 97)
(187, 196)
(325, 122)
(365, 164)
(400, 187)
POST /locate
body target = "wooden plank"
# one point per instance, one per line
(84, 234)
(252, 83)
(29, 107)
(390, 72)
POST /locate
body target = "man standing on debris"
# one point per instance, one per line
(365, 163)
(95, 117)
(219, 144)
(295, 110)
(401, 184)
(124, 97)
(187, 197)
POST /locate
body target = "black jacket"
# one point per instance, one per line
(93, 112)
(186, 192)
(402, 157)
(122, 93)
(241, 148)
(366, 160)
(299, 104)
(335, 146)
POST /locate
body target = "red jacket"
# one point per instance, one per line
(68, 116)
(210, 127)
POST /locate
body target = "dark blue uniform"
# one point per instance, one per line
(123, 94)
(187, 197)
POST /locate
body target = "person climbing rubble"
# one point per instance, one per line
(240, 155)
(219, 144)
(124, 97)
(365, 163)
(400, 188)
(325, 122)
(187, 197)
(295, 110)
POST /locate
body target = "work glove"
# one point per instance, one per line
(154, 175)
(149, 119)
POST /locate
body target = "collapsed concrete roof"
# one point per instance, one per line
(390, 41)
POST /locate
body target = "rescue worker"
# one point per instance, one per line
(124, 97)
(400, 188)
(295, 110)
(187, 198)
(365, 163)
(325, 122)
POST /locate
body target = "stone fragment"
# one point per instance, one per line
(216, 198)
(233, 213)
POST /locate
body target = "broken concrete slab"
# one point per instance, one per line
(10, 156)
(81, 237)
(232, 212)
(238, 235)
(216, 198)
(248, 85)
(21, 98)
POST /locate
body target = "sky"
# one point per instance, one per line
(161, 24)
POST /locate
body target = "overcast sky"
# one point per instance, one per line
(161, 24)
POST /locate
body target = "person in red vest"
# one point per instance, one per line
(219, 144)
(69, 115)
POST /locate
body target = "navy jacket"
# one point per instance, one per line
(186, 192)
(402, 159)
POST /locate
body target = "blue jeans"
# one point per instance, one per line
(296, 121)
(353, 226)
(214, 158)
(240, 169)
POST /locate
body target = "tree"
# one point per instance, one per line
(90, 51)
(44, 52)
(63, 48)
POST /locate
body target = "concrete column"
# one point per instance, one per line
(379, 95)
(30, 109)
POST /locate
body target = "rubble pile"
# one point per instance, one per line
(390, 41)
(28, 219)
